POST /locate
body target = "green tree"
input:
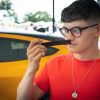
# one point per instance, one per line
(14, 15)
(38, 16)
(5, 5)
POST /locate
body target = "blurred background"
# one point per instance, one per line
(20, 22)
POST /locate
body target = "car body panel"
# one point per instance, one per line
(11, 71)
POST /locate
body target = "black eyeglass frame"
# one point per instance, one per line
(79, 28)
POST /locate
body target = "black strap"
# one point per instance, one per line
(60, 42)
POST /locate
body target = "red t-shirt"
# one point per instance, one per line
(56, 76)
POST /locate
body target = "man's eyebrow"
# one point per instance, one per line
(73, 27)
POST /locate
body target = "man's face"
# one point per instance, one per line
(86, 41)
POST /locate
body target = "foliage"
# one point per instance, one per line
(38, 16)
(5, 5)
(14, 15)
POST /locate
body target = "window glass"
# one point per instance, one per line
(13, 50)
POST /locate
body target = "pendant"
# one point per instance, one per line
(74, 95)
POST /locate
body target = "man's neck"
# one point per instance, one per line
(93, 54)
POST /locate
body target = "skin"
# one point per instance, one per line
(35, 52)
(83, 48)
(86, 46)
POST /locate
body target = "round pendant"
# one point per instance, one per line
(74, 95)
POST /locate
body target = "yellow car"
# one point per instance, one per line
(13, 59)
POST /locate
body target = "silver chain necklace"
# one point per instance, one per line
(75, 93)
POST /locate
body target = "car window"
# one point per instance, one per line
(13, 49)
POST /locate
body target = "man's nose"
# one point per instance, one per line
(69, 36)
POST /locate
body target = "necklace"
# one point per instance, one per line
(75, 93)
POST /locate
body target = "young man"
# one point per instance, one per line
(72, 76)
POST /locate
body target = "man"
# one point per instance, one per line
(72, 76)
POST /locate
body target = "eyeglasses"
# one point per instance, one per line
(75, 31)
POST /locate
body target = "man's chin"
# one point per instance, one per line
(73, 50)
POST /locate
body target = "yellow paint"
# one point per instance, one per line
(12, 72)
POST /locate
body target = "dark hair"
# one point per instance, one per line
(87, 10)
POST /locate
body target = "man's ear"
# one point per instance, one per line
(98, 30)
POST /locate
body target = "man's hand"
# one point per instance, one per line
(34, 53)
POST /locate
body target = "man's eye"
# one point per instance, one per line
(75, 30)
(64, 30)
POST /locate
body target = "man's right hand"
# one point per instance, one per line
(34, 53)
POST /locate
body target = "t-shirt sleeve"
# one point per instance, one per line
(42, 80)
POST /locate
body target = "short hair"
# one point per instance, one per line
(88, 10)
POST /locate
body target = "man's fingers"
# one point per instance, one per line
(32, 50)
(33, 43)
